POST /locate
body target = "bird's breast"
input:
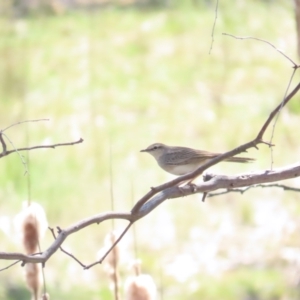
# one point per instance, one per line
(179, 169)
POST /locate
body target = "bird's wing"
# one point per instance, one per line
(184, 156)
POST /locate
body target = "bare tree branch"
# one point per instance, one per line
(110, 248)
(216, 182)
(63, 234)
(53, 146)
(66, 252)
(116, 241)
(264, 41)
(276, 110)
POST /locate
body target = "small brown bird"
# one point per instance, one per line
(182, 160)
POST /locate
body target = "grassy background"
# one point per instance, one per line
(125, 79)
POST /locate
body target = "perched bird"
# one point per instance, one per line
(183, 160)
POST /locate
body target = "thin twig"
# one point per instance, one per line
(276, 110)
(242, 191)
(277, 116)
(28, 179)
(264, 41)
(282, 186)
(43, 270)
(214, 25)
(41, 147)
(111, 247)
(116, 241)
(26, 121)
(112, 200)
(66, 252)
(9, 266)
(134, 231)
(17, 151)
(289, 84)
(111, 189)
(115, 275)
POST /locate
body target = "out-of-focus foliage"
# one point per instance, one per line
(21, 8)
(125, 78)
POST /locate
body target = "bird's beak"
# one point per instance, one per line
(144, 150)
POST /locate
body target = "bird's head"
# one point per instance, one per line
(156, 150)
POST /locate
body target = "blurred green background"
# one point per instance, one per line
(123, 76)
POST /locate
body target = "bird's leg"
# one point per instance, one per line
(188, 183)
(192, 185)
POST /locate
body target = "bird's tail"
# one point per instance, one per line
(240, 159)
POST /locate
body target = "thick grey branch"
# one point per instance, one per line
(221, 182)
